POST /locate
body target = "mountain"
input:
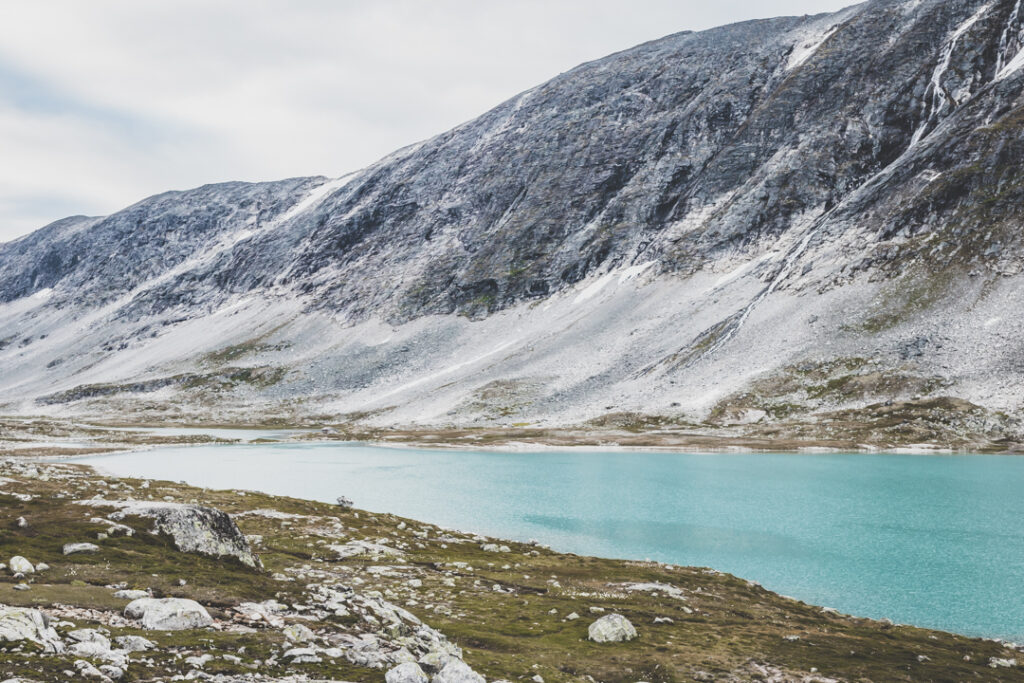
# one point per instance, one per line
(803, 227)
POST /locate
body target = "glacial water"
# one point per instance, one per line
(930, 540)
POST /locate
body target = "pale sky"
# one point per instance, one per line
(105, 102)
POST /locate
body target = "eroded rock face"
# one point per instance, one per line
(168, 614)
(194, 528)
(611, 628)
(22, 624)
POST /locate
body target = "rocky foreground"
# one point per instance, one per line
(134, 580)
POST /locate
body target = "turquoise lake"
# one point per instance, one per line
(929, 540)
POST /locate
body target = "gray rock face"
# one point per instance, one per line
(168, 614)
(742, 174)
(194, 528)
(21, 624)
(611, 628)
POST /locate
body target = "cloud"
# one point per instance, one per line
(105, 102)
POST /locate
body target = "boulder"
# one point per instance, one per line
(128, 594)
(406, 672)
(168, 614)
(23, 624)
(19, 565)
(611, 628)
(457, 671)
(134, 643)
(72, 548)
(194, 528)
(297, 633)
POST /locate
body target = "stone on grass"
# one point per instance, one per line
(168, 614)
(611, 628)
(406, 672)
(129, 594)
(134, 643)
(19, 565)
(298, 633)
(72, 548)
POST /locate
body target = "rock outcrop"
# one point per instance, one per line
(23, 624)
(194, 528)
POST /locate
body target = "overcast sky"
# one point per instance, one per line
(105, 102)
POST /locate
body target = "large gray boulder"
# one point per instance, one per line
(194, 528)
(168, 614)
(19, 624)
(611, 628)
(406, 672)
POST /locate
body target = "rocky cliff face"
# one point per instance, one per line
(677, 228)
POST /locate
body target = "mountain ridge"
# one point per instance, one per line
(667, 231)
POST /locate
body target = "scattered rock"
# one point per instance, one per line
(611, 628)
(19, 565)
(42, 567)
(168, 614)
(297, 633)
(130, 594)
(134, 643)
(72, 548)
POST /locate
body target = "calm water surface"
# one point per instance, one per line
(934, 541)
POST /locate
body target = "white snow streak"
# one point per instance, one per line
(1004, 41)
(940, 97)
(805, 50)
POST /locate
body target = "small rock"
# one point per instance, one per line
(407, 672)
(168, 614)
(42, 567)
(611, 628)
(198, 662)
(998, 662)
(21, 587)
(134, 643)
(112, 672)
(297, 633)
(572, 616)
(130, 594)
(302, 655)
(22, 522)
(72, 548)
(345, 503)
(19, 565)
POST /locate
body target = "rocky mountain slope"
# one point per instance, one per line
(802, 225)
